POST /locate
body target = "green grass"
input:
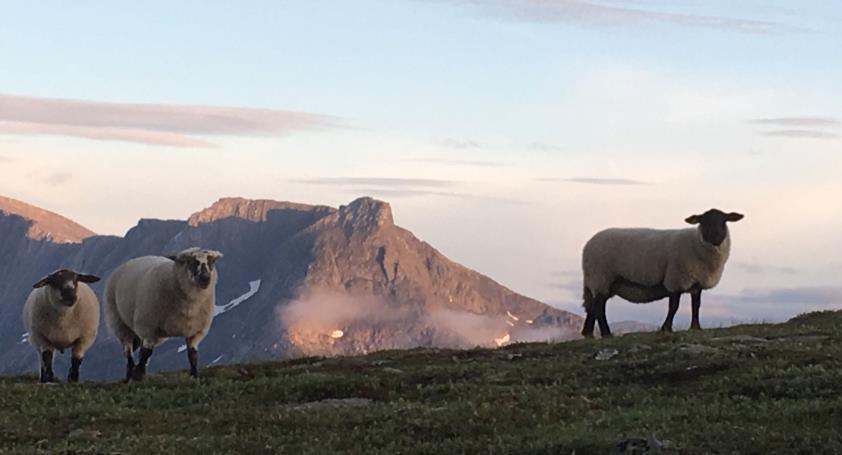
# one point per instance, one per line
(716, 391)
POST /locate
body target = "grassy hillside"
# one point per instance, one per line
(748, 389)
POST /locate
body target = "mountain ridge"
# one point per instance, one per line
(296, 280)
(44, 224)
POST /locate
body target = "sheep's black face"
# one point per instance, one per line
(199, 265)
(66, 284)
(201, 271)
(712, 225)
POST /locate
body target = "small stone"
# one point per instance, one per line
(696, 348)
(392, 370)
(606, 354)
(742, 339)
(639, 348)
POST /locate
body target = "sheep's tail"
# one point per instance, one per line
(587, 299)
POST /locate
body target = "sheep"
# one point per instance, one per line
(151, 298)
(644, 265)
(62, 312)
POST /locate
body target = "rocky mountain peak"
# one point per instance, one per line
(255, 210)
(365, 214)
(45, 225)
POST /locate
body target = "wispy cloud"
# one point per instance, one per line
(396, 193)
(801, 134)
(542, 147)
(104, 134)
(461, 143)
(392, 182)
(395, 187)
(808, 121)
(594, 181)
(805, 295)
(771, 303)
(58, 178)
(459, 162)
(600, 13)
(153, 124)
(762, 269)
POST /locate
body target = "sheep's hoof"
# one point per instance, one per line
(666, 329)
(138, 373)
(695, 327)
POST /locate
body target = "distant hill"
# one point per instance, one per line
(295, 280)
(45, 225)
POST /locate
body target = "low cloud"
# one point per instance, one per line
(769, 304)
(458, 162)
(807, 121)
(104, 134)
(387, 182)
(461, 143)
(802, 134)
(572, 286)
(762, 269)
(408, 192)
(152, 124)
(315, 321)
(570, 273)
(604, 14)
(542, 147)
(396, 187)
(58, 178)
(819, 296)
(595, 181)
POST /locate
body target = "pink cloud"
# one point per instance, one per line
(595, 13)
(154, 124)
(104, 134)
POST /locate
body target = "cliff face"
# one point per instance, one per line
(295, 280)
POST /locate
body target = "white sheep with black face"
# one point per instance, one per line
(644, 265)
(62, 312)
(151, 298)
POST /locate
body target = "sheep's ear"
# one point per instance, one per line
(693, 219)
(733, 216)
(85, 278)
(214, 256)
(42, 282)
(172, 257)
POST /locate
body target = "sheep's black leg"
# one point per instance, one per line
(590, 318)
(697, 303)
(139, 371)
(590, 321)
(129, 365)
(599, 306)
(193, 358)
(675, 299)
(73, 374)
(47, 367)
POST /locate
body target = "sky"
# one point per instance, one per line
(503, 132)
